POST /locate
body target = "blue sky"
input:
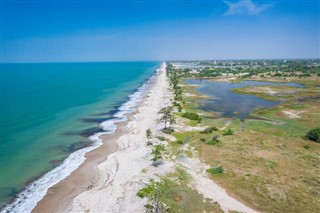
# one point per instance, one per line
(43, 31)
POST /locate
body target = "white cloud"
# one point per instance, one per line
(246, 7)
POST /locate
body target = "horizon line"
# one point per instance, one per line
(168, 60)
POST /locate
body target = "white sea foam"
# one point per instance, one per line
(34, 192)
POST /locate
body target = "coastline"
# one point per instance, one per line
(48, 183)
(60, 197)
(112, 174)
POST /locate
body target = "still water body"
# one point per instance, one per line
(224, 101)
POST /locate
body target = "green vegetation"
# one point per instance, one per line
(307, 146)
(191, 116)
(314, 135)
(180, 142)
(149, 136)
(178, 105)
(267, 164)
(202, 139)
(157, 154)
(152, 191)
(215, 170)
(254, 68)
(228, 132)
(167, 118)
(172, 193)
(161, 138)
(212, 142)
(168, 130)
(209, 130)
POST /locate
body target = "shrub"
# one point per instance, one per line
(215, 170)
(176, 104)
(212, 142)
(149, 136)
(209, 130)
(180, 142)
(168, 130)
(177, 97)
(191, 116)
(228, 132)
(149, 133)
(307, 146)
(157, 154)
(314, 135)
(215, 138)
(152, 191)
(202, 139)
(161, 138)
(146, 191)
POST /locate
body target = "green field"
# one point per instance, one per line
(268, 163)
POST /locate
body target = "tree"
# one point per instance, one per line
(157, 154)
(167, 116)
(314, 135)
(153, 192)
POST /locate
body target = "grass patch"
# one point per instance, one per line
(307, 146)
(191, 116)
(209, 130)
(228, 132)
(268, 164)
(213, 141)
(179, 142)
(174, 195)
(215, 170)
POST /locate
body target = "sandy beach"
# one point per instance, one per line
(144, 106)
(106, 164)
(113, 173)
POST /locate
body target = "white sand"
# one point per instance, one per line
(126, 171)
(292, 113)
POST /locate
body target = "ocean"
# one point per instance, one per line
(53, 113)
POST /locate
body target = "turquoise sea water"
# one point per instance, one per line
(49, 110)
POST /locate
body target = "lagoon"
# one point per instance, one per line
(229, 104)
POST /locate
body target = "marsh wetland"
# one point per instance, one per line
(222, 99)
(255, 131)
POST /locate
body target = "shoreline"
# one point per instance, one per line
(111, 175)
(59, 198)
(29, 198)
